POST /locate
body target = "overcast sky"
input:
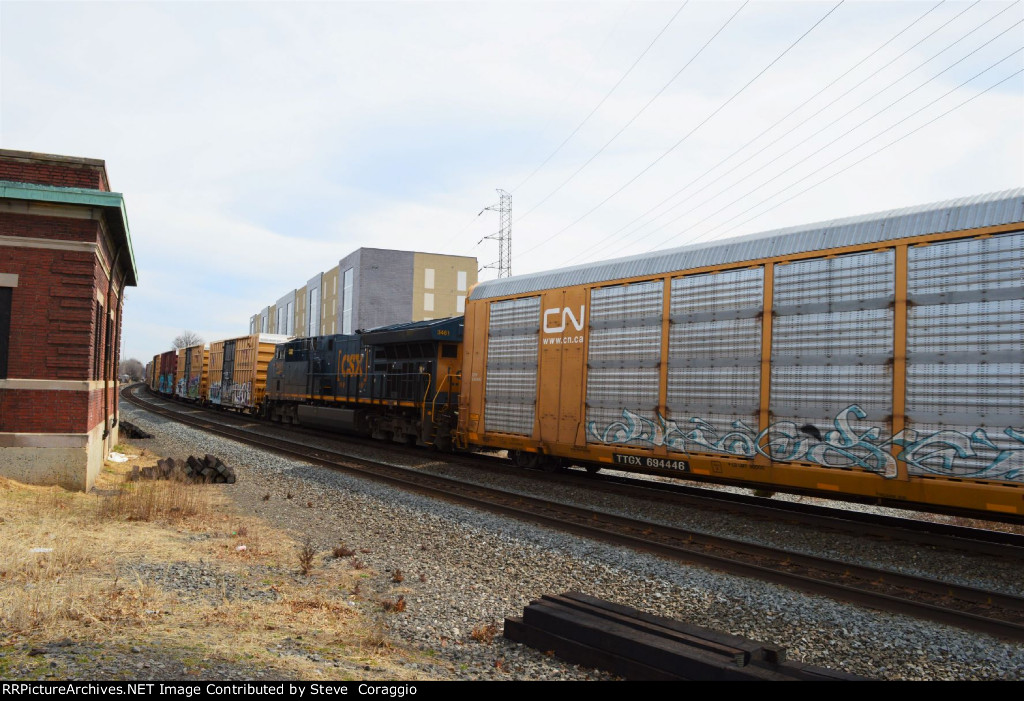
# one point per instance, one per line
(256, 144)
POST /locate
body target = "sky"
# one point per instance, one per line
(257, 143)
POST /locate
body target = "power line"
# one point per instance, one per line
(805, 140)
(833, 122)
(593, 251)
(862, 144)
(580, 125)
(833, 141)
(635, 116)
(676, 145)
(603, 99)
(873, 153)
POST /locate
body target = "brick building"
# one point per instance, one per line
(65, 260)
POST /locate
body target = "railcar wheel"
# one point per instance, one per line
(550, 464)
(525, 459)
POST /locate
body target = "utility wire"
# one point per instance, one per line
(635, 116)
(603, 99)
(676, 145)
(861, 145)
(873, 153)
(580, 125)
(833, 122)
(593, 251)
(844, 134)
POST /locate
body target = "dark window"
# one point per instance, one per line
(5, 328)
(449, 350)
(97, 346)
(108, 352)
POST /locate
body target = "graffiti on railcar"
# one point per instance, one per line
(239, 394)
(945, 452)
(193, 387)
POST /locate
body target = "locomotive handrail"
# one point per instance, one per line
(433, 402)
(423, 409)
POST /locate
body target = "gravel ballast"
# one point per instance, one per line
(464, 570)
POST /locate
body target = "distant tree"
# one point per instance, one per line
(186, 339)
(132, 369)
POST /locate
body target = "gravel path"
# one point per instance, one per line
(465, 569)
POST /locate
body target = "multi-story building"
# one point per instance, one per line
(372, 287)
(65, 260)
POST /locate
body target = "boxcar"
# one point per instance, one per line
(237, 373)
(168, 370)
(878, 357)
(193, 368)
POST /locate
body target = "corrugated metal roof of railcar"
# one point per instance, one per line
(415, 331)
(404, 325)
(975, 211)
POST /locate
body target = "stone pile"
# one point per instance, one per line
(193, 470)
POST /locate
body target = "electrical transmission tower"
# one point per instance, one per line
(504, 235)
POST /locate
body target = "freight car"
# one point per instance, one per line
(193, 372)
(876, 358)
(237, 371)
(398, 382)
(166, 371)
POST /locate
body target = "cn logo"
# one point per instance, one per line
(566, 313)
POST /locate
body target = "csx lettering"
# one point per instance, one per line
(351, 364)
(566, 314)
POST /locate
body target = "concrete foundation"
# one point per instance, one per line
(71, 460)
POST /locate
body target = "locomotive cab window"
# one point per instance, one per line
(449, 350)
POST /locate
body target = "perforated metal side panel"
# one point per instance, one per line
(622, 364)
(512, 343)
(965, 359)
(714, 359)
(832, 349)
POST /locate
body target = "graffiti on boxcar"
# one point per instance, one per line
(239, 394)
(945, 452)
(193, 387)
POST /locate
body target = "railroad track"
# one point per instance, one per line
(972, 608)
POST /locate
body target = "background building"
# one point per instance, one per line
(372, 287)
(65, 260)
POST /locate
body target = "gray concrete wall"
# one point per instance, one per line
(71, 460)
(383, 289)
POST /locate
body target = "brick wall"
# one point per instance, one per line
(53, 411)
(40, 411)
(52, 312)
(60, 173)
(55, 228)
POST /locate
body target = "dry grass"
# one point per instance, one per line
(307, 555)
(484, 633)
(393, 605)
(166, 500)
(68, 571)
